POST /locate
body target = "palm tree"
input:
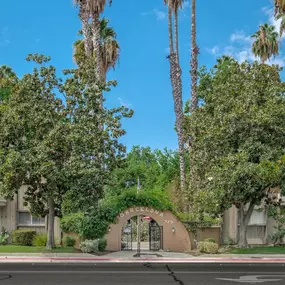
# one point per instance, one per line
(279, 6)
(95, 8)
(110, 49)
(265, 44)
(176, 83)
(282, 24)
(84, 17)
(176, 5)
(194, 60)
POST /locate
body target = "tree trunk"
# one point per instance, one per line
(244, 218)
(171, 51)
(176, 83)
(84, 17)
(97, 47)
(194, 60)
(51, 215)
(175, 76)
(176, 35)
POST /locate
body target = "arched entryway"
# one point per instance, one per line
(174, 234)
(151, 234)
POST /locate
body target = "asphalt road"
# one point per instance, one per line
(141, 274)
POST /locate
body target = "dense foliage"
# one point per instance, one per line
(154, 169)
(96, 222)
(23, 237)
(238, 138)
(59, 149)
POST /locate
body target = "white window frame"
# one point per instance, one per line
(31, 220)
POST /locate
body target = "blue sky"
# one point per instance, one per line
(50, 27)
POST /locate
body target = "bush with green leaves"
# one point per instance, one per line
(72, 223)
(102, 244)
(40, 240)
(208, 247)
(23, 237)
(4, 236)
(210, 240)
(89, 246)
(229, 241)
(69, 241)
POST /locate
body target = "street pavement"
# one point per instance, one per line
(141, 274)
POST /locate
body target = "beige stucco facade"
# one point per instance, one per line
(14, 215)
(260, 227)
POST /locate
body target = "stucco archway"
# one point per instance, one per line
(175, 235)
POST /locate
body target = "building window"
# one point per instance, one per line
(25, 218)
(258, 218)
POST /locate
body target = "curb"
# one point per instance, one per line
(138, 260)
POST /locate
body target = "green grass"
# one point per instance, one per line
(33, 249)
(259, 250)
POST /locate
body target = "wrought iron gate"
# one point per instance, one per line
(155, 236)
(126, 243)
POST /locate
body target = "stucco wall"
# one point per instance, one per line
(177, 241)
(204, 233)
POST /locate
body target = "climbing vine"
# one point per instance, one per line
(95, 223)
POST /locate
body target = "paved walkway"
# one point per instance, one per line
(128, 257)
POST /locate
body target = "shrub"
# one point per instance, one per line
(89, 246)
(23, 237)
(210, 240)
(40, 240)
(72, 223)
(208, 247)
(228, 241)
(69, 241)
(4, 236)
(102, 244)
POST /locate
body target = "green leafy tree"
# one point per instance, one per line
(265, 43)
(56, 148)
(239, 136)
(155, 170)
(8, 81)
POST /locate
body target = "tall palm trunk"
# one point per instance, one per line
(176, 35)
(171, 50)
(84, 17)
(97, 52)
(194, 60)
(176, 83)
(97, 46)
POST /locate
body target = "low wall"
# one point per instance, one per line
(204, 233)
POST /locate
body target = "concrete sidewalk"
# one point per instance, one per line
(128, 257)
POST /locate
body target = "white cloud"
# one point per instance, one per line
(240, 46)
(269, 11)
(124, 103)
(159, 14)
(4, 40)
(240, 37)
(214, 50)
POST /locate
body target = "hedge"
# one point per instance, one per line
(23, 237)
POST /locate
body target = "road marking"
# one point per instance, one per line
(253, 279)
